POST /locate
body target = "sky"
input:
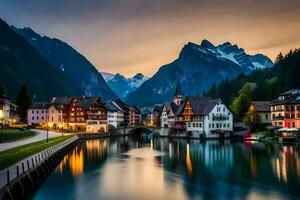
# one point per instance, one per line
(131, 36)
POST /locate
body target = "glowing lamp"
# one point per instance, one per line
(1, 114)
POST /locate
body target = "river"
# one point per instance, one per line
(143, 167)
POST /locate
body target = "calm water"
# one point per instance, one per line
(151, 168)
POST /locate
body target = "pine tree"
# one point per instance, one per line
(2, 90)
(23, 102)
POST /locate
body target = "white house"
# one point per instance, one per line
(115, 115)
(167, 115)
(37, 113)
(5, 109)
(206, 117)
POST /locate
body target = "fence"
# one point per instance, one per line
(16, 170)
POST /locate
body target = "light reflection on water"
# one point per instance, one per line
(146, 168)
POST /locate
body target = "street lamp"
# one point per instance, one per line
(47, 128)
(1, 118)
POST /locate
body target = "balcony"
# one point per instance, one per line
(278, 118)
(220, 118)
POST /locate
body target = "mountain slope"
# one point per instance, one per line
(21, 63)
(122, 86)
(198, 67)
(70, 62)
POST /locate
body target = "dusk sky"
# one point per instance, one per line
(130, 36)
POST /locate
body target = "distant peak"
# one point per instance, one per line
(138, 76)
(207, 44)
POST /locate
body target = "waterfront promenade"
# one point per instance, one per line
(40, 135)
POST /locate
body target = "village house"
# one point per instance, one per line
(285, 110)
(167, 115)
(135, 116)
(263, 109)
(126, 111)
(155, 116)
(205, 117)
(115, 115)
(37, 114)
(5, 109)
(87, 114)
(57, 112)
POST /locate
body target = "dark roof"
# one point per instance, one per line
(110, 106)
(157, 108)
(261, 106)
(122, 105)
(135, 108)
(200, 105)
(39, 105)
(291, 92)
(61, 100)
(4, 96)
(171, 107)
(87, 102)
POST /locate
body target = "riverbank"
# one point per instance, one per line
(16, 154)
(21, 179)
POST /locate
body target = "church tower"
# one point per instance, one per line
(177, 95)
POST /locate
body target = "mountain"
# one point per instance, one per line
(269, 83)
(70, 62)
(21, 63)
(121, 85)
(197, 68)
(107, 76)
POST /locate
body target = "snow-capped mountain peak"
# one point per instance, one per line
(237, 55)
(121, 85)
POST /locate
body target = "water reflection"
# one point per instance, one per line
(161, 168)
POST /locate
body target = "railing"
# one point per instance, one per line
(278, 118)
(16, 170)
(220, 118)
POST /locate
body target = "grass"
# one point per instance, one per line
(11, 134)
(16, 154)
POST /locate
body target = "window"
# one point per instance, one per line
(42, 118)
(209, 125)
(37, 118)
(37, 111)
(42, 111)
(267, 117)
(32, 111)
(32, 118)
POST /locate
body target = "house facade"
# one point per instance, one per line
(5, 109)
(37, 114)
(135, 116)
(263, 109)
(285, 110)
(167, 115)
(205, 117)
(115, 115)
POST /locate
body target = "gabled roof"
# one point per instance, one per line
(157, 108)
(61, 100)
(87, 102)
(122, 105)
(261, 106)
(200, 105)
(39, 105)
(170, 107)
(110, 106)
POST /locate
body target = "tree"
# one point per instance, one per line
(23, 102)
(2, 90)
(240, 103)
(252, 119)
(279, 58)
